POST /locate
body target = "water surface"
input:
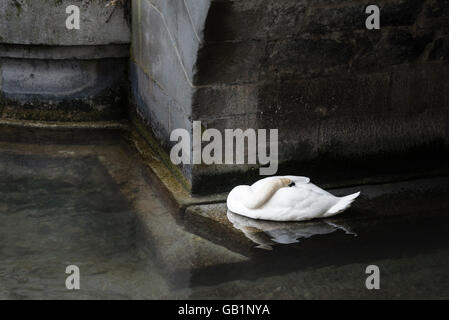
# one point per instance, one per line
(92, 206)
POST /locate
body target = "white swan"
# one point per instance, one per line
(286, 198)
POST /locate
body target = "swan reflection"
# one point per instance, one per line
(268, 233)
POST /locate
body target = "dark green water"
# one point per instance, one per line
(65, 206)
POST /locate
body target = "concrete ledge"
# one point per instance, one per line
(44, 133)
(63, 90)
(174, 188)
(64, 52)
(156, 158)
(401, 201)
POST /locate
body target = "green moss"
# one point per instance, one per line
(158, 150)
(18, 6)
(62, 112)
(57, 115)
(111, 100)
(2, 104)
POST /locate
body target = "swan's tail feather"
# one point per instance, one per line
(343, 204)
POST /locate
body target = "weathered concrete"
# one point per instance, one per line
(345, 99)
(42, 22)
(63, 89)
(64, 52)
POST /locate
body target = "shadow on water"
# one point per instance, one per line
(301, 246)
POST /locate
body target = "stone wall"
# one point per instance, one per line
(349, 103)
(48, 72)
(166, 38)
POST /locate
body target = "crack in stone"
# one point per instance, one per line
(191, 21)
(172, 40)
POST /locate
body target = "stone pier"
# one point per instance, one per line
(48, 72)
(352, 105)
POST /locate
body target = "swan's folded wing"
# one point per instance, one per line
(299, 203)
(290, 197)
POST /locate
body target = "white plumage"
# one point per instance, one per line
(286, 198)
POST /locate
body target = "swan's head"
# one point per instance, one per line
(284, 182)
(255, 198)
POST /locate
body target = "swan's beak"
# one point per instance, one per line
(285, 182)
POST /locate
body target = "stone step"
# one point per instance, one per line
(386, 221)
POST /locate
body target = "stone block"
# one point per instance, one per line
(440, 49)
(321, 98)
(43, 22)
(218, 101)
(380, 51)
(329, 19)
(63, 89)
(254, 20)
(400, 13)
(160, 56)
(308, 57)
(229, 63)
(420, 89)
(435, 16)
(145, 93)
